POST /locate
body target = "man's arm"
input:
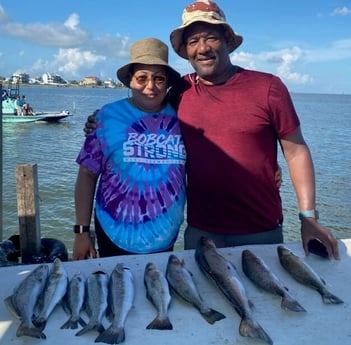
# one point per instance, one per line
(301, 169)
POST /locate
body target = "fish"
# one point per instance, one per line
(224, 274)
(305, 275)
(121, 296)
(182, 283)
(96, 301)
(24, 300)
(157, 291)
(54, 291)
(74, 300)
(261, 275)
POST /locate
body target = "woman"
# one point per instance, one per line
(138, 156)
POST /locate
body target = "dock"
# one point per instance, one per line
(322, 324)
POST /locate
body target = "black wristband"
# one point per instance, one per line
(79, 229)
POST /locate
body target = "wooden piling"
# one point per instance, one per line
(28, 210)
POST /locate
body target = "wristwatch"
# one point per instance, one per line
(309, 214)
(79, 229)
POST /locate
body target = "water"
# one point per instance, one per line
(53, 147)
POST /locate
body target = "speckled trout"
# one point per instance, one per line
(24, 300)
(224, 274)
(261, 275)
(304, 274)
(121, 293)
(181, 281)
(157, 291)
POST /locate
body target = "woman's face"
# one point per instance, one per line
(149, 86)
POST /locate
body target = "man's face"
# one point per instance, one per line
(207, 49)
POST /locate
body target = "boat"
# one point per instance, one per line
(9, 110)
(38, 117)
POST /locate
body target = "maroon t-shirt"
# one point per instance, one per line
(231, 134)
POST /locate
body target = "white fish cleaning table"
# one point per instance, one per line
(321, 324)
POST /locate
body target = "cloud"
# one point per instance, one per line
(281, 62)
(340, 11)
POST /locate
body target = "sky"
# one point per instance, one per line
(307, 43)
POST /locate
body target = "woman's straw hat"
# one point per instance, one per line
(203, 11)
(148, 51)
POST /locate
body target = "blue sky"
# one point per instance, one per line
(305, 42)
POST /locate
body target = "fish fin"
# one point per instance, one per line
(161, 324)
(211, 316)
(251, 304)
(40, 323)
(291, 304)
(73, 323)
(91, 327)
(11, 307)
(112, 335)
(30, 332)
(250, 328)
(329, 298)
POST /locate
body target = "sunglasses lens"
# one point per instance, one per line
(159, 80)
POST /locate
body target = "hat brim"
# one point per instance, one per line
(124, 74)
(233, 39)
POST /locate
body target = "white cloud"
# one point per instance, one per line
(340, 11)
(281, 62)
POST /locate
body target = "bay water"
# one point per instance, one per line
(53, 147)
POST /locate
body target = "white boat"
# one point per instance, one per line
(9, 109)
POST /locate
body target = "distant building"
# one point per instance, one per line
(48, 78)
(91, 81)
(20, 78)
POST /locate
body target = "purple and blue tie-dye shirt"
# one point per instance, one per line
(140, 158)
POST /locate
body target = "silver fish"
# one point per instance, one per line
(181, 281)
(24, 300)
(304, 274)
(121, 298)
(157, 291)
(54, 291)
(74, 300)
(225, 276)
(96, 301)
(260, 274)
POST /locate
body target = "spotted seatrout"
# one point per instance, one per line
(304, 274)
(25, 298)
(181, 281)
(157, 291)
(261, 275)
(121, 298)
(225, 276)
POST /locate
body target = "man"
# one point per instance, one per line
(232, 120)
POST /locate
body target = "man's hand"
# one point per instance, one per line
(311, 229)
(90, 125)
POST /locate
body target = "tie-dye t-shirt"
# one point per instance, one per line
(140, 158)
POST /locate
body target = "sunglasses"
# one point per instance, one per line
(143, 80)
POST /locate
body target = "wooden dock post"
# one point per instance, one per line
(28, 210)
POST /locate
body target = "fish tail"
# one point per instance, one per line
(112, 335)
(40, 322)
(91, 327)
(291, 304)
(162, 324)
(72, 323)
(30, 332)
(250, 328)
(329, 298)
(211, 316)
